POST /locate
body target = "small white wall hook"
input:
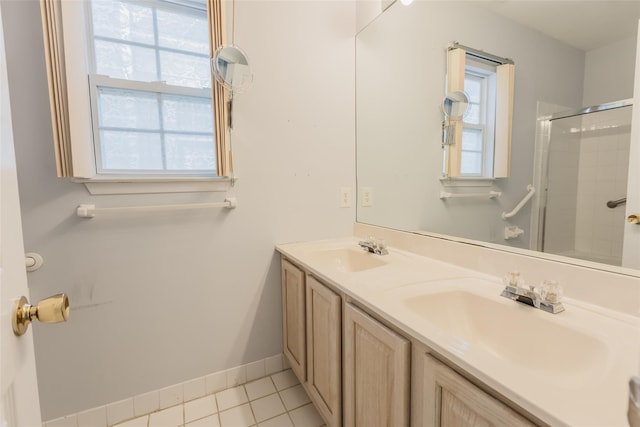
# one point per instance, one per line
(33, 261)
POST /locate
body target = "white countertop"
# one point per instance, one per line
(562, 385)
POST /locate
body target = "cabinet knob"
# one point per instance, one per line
(634, 218)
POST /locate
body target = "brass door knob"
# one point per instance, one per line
(634, 218)
(54, 309)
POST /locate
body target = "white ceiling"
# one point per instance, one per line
(583, 24)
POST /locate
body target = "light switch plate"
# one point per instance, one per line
(367, 196)
(345, 197)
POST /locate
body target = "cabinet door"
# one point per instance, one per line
(293, 318)
(324, 351)
(376, 373)
(451, 400)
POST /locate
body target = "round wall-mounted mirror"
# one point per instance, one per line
(230, 66)
(455, 104)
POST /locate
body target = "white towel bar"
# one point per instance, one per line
(90, 211)
(531, 191)
(490, 195)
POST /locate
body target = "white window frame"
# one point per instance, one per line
(77, 68)
(158, 88)
(498, 153)
(487, 108)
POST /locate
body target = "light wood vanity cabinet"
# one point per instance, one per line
(451, 400)
(312, 339)
(389, 380)
(376, 373)
(293, 318)
(324, 350)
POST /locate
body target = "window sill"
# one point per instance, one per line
(466, 182)
(135, 185)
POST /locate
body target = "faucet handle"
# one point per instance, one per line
(551, 291)
(380, 247)
(374, 245)
(513, 280)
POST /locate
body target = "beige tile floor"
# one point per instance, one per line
(278, 400)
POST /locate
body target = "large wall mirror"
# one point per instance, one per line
(570, 132)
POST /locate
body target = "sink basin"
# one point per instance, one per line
(509, 331)
(350, 260)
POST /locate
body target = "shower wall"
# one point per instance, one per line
(602, 176)
(588, 166)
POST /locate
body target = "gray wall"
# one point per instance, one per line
(160, 299)
(609, 72)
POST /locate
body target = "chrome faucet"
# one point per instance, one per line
(547, 297)
(373, 245)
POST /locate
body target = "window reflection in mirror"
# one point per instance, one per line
(481, 142)
(478, 125)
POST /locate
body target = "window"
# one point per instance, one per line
(481, 142)
(479, 122)
(151, 91)
(148, 106)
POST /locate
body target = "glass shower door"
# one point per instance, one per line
(588, 163)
